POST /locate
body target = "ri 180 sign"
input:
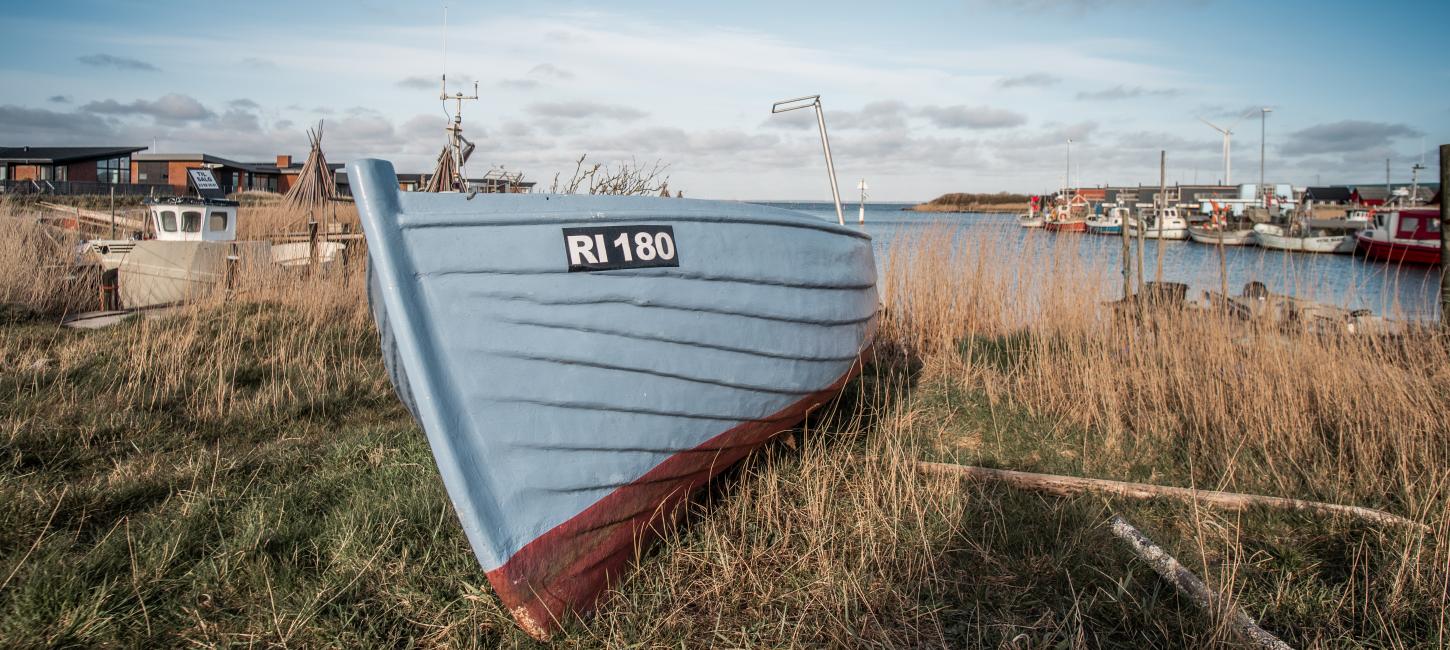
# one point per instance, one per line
(603, 248)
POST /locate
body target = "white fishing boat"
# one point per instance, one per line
(1163, 223)
(1306, 236)
(187, 247)
(1218, 235)
(1107, 223)
(1030, 220)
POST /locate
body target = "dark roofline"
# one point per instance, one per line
(206, 158)
(61, 155)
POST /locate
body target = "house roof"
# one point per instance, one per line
(1372, 192)
(62, 155)
(269, 167)
(294, 168)
(1328, 193)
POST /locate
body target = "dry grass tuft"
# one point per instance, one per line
(239, 472)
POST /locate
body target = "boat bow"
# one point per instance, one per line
(573, 401)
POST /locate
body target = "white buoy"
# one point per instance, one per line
(863, 187)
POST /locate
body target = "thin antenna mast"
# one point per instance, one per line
(459, 147)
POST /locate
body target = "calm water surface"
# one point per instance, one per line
(1346, 280)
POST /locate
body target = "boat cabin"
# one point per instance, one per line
(208, 216)
(1410, 224)
(192, 219)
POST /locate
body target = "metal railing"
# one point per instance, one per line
(75, 188)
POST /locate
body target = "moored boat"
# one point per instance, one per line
(1221, 234)
(1158, 224)
(1409, 235)
(1069, 215)
(579, 364)
(1030, 220)
(1307, 236)
(1108, 223)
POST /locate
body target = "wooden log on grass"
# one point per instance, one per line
(1072, 485)
(1189, 585)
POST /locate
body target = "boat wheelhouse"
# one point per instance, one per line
(1157, 223)
(192, 219)
(206, 217)
(1410, 235)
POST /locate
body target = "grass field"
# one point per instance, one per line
(240, 473)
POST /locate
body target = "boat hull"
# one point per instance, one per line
(1106, 230)
(570, 412)
(154, 273)
(1384, 251)
(1227, 238)
(299, 254)
(1327, 244)
(1166, 233)
(1066, 226)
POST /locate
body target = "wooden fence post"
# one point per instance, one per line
(311, 246)
(1444, 237)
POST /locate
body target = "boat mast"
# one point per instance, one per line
(459, 147)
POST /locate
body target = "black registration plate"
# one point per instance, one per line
(603, 248)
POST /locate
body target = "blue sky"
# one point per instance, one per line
(921, 99)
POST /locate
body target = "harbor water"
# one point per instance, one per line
(1400, 291)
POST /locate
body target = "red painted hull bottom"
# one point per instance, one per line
(1395, 252)
(564, 571)
(1068, 226)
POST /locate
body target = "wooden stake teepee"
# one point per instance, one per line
(445, 173)
(315, 185)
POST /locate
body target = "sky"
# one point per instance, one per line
(920, 98)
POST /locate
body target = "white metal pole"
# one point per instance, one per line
(1263, 130)
(830, 165)
(1228, 158)
(1067, 177)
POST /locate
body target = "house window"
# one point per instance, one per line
(191, 221)
(114, 170)
(218, 222)
(4, 172)
(151, 173)
(168, 221)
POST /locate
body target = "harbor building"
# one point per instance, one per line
(90, 168)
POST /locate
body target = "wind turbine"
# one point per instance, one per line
(1228, 141)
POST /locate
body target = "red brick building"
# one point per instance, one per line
(108, 165)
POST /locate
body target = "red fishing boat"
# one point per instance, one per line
(1410, 236)
(1069, 215)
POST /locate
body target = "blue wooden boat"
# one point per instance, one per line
(581, 363)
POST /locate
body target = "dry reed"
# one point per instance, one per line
(149, 441)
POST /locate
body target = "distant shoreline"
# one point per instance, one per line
(1000, 202)
(992, 208)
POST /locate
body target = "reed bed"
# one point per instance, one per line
(238, 471)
